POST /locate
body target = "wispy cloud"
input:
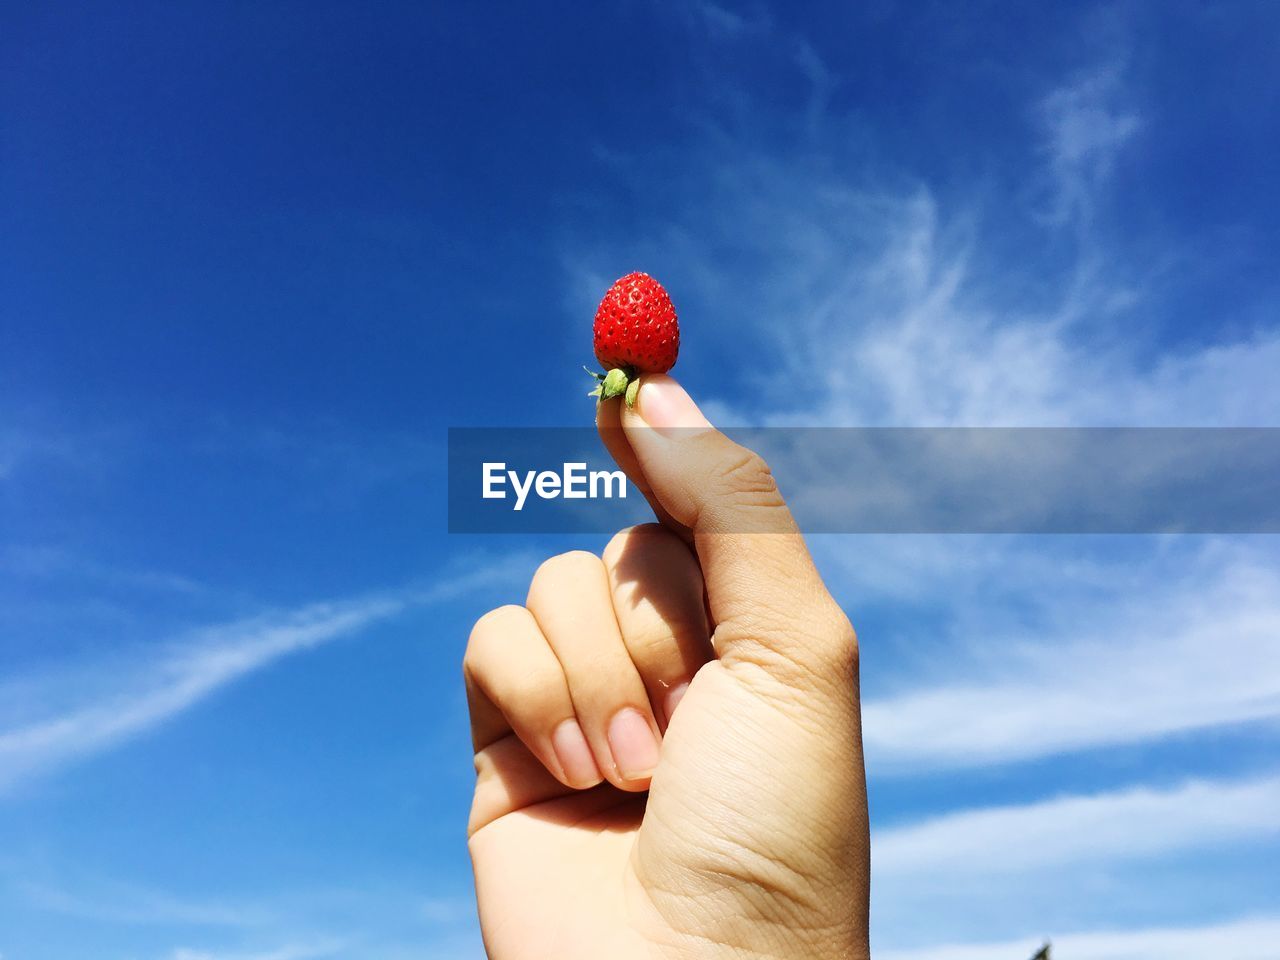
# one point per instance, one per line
(47, 562)
(1102, 828)
(922, 330)
(1189, 644)
(131, 904)
(357, 918)
(447, 910)
(193, 670)
(1134, 855)
(32, 445)
(1253, 938)
(1086, 124)
(879, 300)
(146, 693)
(722, 23)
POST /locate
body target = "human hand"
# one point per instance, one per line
(606, 822)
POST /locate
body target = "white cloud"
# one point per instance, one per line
(448, 910)
(878, 300)
(1086, 124)
(1102, 828)
(22, 448)
(925, 333)
(144, 694)
(355, 918)
(721, 23)
(187, 675)
(1141, 854)
(1105, 653)
(48, 562)
(1252, 938)
(116, 902)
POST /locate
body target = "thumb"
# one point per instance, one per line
(768, 602)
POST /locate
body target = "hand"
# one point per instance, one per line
(619, 813)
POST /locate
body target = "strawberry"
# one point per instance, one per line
(635, 332)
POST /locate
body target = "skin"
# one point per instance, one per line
(725, 819)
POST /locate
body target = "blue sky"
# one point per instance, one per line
(256, 258)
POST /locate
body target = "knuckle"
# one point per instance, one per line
(655, 641)
(490, 627)
(831, 640)
(650, 643)
(841, 647)
(522, 697)
(529, 695)
(497, 620)
(847, 635)
(745, 476)
(564, 566)
(618, 544)
(805, 645)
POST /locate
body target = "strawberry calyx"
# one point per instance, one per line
(618, 382)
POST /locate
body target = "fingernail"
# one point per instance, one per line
(673, 697)
(664, 405)
(574, 754)
(634, 747)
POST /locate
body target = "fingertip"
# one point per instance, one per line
(672, 700)
(574, 755)
(608, 414)
(634, 743)
(664, 405)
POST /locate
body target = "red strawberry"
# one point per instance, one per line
(635, 332)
